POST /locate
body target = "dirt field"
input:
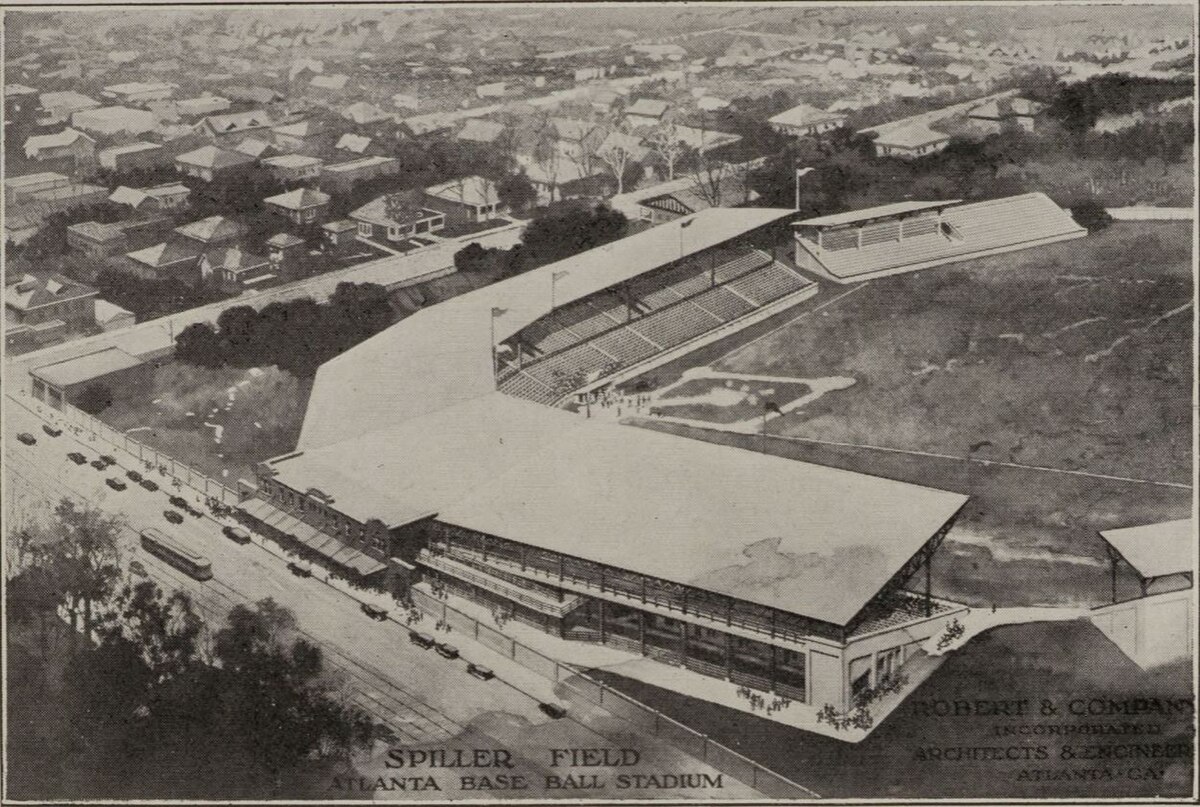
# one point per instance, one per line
(1074, 357)
(220, 421)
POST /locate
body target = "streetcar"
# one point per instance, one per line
(174, 553)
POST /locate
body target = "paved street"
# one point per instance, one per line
(422, 697)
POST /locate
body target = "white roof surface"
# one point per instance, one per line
(879, 211)
(87, 367)
(805, 115)
(444, 351)
(1154, 550)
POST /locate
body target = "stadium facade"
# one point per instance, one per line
(429, 457)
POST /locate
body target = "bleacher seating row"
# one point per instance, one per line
(601, 340)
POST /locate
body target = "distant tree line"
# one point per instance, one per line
(556, 233)
(1077, 106)
(295, 335)
(119, 690)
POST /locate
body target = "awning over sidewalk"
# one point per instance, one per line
(323, 544)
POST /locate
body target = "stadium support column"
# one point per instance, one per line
(642, 629)
(728, 656)
(928, 581)
(603, 622)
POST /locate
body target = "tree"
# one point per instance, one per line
(617, 151)
(199, 344)
(164, 629)
(94, 398)
(1091, 214)
(665, 141)
(569, 229)
(517, 192)
(82, 554)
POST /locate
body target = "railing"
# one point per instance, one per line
(644, 717)
(505, 589)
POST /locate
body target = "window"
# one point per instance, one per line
(364, 229)
(310, 214)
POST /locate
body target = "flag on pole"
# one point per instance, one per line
(687, 223)
(499, 312)
(559, 275)
(771, 406)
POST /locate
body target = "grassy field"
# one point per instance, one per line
(1057, 662)
(1075, 356)
(259, 414)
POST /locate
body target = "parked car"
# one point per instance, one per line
(108, 459)
(136, 567)
(421, 639)
(447, 650)
(481, 672)
(133, 476)
(172, 516)
(553, 710)
(77, 458)
(236, 534)
(179, 501)
(374, 612)
(298, 570)
(115, 484)
(149, 484)
(27, 438)
(51, 430)
(192, 511)
(99, 465)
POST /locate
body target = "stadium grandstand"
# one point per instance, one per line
(907, 236)
(428, 458)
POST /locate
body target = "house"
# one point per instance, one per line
(301, 206)
(432, 125)
(139, 92)
(495, 89)
(393, 218)
(357, 145)
(284, 251)
(605, 101)
(96, 240)
(58, 107)
(202, 105)
(646, 112)
(306, 135)
(290, 168)
(576, 140)
(338, 234)
(806, 121)
(232, 127)
(256, 148)
(363, 113)
(253, 95)
(909, 141)
(65, 197)
(997, 115)
(33, 301)
(212, 231)
(232, 267)
(469, 199)
(20, 102)
(329, 85)
(157, 198)
(207, 162)
(478, 130)
(340, 177)
(687, 195)
(16, 187)
(111, 317)
(174, 258)
(68, 145)
(114, 120)
(133, 157)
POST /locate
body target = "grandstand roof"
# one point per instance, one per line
(1154, 550)
(444, 351)
(978, 229)
(769, 530)
(867, 213)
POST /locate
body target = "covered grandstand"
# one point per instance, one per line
(904, 237)
(419, 453)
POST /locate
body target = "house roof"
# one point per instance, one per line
(478, 130)
(214, 157)
(292, 161)
(354, 165)
(355, 144)
(1002, 108)
(173, 251)
(1155, 550)
(805, 115)
(257, 95)
(237, 121)
(31, 292)
(213, 228)
(131, 148)
(62, 139)
(254, 147)
(167, 189)
(233, 259)
(202, 105)
(284, 240)
(376, 212)
(340, 226)
(299, 199)
(472, 190)
(363, 112)
(126, 119)
(571, 129)
(107, 312)
(139, 87)
(73, 191)
(304, 128)
(911, 135)
(97, 231)
(36, 180)
(648, 107)
(125, 195)
(18, 89)
(334, 82)
(84, 368)
(68, 99)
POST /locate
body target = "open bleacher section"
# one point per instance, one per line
(618, 328)
(863, 244)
